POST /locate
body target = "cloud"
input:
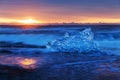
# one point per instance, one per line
(60, 9)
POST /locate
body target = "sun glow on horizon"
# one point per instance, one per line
(32, 21)
(29, 21)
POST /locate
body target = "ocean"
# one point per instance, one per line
(61, 49)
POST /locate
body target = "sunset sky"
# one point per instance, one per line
(52, 11)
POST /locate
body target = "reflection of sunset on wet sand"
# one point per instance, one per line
(28, 63)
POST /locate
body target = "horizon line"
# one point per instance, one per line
(71, 23)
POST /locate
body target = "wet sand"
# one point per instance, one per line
(63, 66)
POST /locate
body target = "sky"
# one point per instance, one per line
(59, 11)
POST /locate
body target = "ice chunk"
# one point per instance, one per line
(80, 42)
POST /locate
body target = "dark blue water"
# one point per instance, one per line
(27, 47)
(107, 36)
